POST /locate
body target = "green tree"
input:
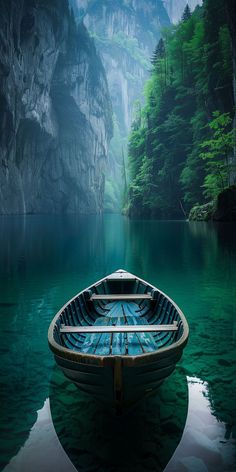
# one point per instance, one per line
(191, 77)
(217, 152)
(158, 60)
(124, 177)
(186, 14)
(159, 52)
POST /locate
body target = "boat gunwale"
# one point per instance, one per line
(109, 360)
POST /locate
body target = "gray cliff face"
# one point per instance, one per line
(126, 33)
(175, 8)
(55, 115)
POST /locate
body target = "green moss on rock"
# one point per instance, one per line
(202, 212)
(224, 209)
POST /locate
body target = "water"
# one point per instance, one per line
(191, 424)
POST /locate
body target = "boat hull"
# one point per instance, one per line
(119, 381)
(120, 386)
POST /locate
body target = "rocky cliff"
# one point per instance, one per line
(175, 8)
(126, 33)
(55, 113)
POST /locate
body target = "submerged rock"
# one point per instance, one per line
(55, 115)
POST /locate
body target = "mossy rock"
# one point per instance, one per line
(202, 212)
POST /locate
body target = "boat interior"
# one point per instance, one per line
(149, 319)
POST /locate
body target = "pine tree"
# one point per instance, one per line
(159, 52)
(158, 60)
(187, 13)
(175, 159)
(124, 176)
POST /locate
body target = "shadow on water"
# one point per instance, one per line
(226, 233)
(143, 439)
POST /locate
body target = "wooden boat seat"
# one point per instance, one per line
(132, 296)
(119, 329)
(122, 332)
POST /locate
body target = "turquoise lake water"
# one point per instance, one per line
(190, 425)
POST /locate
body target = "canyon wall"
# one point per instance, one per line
(125, 32)
(55, 111)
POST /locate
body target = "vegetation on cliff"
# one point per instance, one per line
(181, 142)
(125, 33)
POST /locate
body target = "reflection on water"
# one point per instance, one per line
(42, 451)
(205, 445)
(143, 439)
(45, 260)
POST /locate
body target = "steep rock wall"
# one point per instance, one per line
(55, 114)
(126, 33)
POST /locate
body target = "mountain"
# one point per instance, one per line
(175, 8)
(125, 33)
(55, 114)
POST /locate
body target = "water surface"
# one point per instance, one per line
(46, 260)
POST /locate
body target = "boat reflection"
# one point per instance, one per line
(145, 438)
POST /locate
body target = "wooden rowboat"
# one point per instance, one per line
(118, 339)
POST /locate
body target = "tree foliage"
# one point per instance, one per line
(217, 152)
(173, 135)
(187, 13)
(159, 52)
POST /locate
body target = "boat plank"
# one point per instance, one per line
(118, 346)
(127, 317)
(134, 347)
(119, 329)
(93, 340)
(145, 339)
(120, 296)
